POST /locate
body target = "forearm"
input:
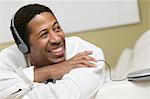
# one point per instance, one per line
(55, 72)
(42, 74)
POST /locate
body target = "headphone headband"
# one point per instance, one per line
(22, 46)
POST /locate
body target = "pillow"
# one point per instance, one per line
(119, 72)
(134, 59)
(141, 53)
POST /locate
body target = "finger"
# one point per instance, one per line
(84, 53)
(82, 65)
(87, 64)
(87, 58)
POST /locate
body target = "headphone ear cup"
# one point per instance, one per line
(23, 48)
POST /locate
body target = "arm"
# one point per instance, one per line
(79, 83)
(56, 71)
(69, 85)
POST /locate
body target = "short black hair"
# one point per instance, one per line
(22, 18)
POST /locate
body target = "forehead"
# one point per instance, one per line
(40, 21)
(42, 17)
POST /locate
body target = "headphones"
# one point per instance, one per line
(22, 46)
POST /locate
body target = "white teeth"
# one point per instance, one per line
(57, 50)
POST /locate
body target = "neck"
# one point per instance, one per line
(30, 60)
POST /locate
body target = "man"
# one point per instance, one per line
(50, 65)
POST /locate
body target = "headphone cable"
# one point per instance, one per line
(110, 72)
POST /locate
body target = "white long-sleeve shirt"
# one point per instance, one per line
(16, 76)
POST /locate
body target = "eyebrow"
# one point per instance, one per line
(55, 23)
(46, 29)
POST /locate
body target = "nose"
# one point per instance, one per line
(54, 38)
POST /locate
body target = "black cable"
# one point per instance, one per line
(110, 73)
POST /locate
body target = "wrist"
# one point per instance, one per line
(41, 74)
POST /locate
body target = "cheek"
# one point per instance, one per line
(37, 50)
(35, 42)
(62, 35)
(38, 45)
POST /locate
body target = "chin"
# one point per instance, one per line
(61, 60)
(58, 60)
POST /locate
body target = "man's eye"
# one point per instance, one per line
(44, 35)
(57, 29)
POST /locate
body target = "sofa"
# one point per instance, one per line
(131, 59)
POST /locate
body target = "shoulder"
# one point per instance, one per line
(11, 49)
(80, 43)
(73, 38)
(75, 45)
(12, 56)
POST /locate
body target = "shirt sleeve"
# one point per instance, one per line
(80, 83)
(29, 72)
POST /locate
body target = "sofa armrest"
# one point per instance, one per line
(125, 90)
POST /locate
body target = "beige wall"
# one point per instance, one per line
(114, 40)
(4, 45)
(148, 12)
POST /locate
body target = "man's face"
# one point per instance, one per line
(46, 40)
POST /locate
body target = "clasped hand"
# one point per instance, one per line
(56, 71)
(81, 59)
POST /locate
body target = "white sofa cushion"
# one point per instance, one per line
(124, 90)
(134, 59)
(120, 71)
(141, 53)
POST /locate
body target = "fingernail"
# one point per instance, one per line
(93, 59)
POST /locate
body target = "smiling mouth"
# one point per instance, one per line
(59, 51)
